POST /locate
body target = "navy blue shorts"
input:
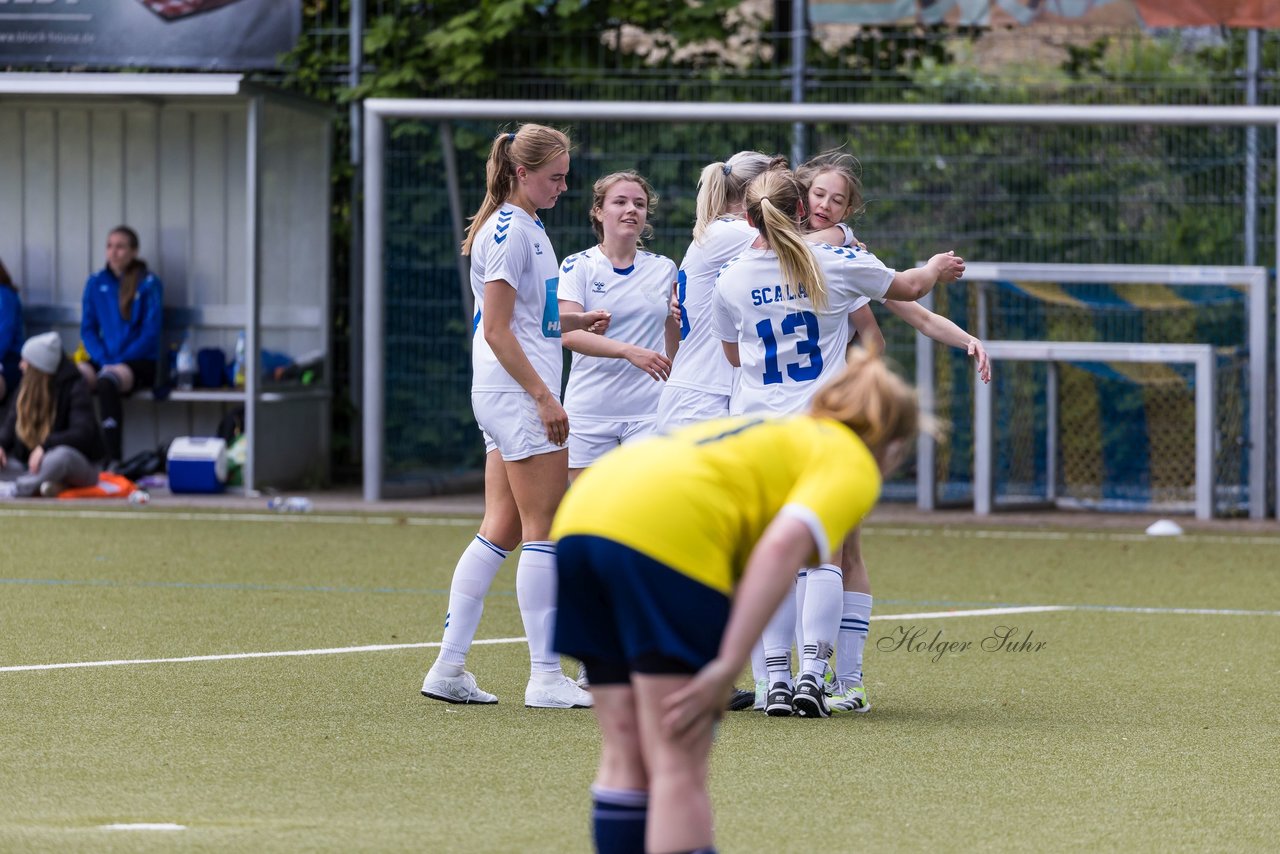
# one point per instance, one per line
(621, 612)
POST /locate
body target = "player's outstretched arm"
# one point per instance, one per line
(770, 574)
(944, 331)
(910, 285)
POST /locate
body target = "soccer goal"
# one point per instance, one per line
(1094, 405)
(1068, 184)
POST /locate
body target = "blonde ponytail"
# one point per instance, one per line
(772, 203)
(723, 185)
(712, 192)
(531, 147)
(873, 402)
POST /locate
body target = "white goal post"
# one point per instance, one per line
(1201, 356)
(1252, 279)
(378, 110)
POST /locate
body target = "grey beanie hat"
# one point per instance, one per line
(43, 352)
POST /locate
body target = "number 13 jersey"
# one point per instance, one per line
(787, 348)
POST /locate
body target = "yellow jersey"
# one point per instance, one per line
(700, 498)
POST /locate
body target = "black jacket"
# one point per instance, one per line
(74, 422)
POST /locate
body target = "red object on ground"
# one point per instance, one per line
(109, 486)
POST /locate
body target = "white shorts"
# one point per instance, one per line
(591, 440)
(510, 425)
(680, 407)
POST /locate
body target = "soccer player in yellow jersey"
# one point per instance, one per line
(673, 554)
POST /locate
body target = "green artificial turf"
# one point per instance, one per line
(1123, 731)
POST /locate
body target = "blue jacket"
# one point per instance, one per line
(108, 337)
(10, 322)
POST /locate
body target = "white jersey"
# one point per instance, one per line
(700, 363)
(639, 299)
(512, 246)
(788, 349)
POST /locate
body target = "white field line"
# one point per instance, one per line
(976, 612)
(289, 653)
(924, 615)
(143, 826)
(1061, 536)
(385, 518)
(130, 515)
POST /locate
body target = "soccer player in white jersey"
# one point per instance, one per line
(781, 310)
(516, 365)
(615, 379)
(701, 381)
(832, 190)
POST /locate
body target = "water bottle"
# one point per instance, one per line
(238, 366)
(186, 364)
(294, 504)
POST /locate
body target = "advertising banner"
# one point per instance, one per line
(197, 34)
(988, 13)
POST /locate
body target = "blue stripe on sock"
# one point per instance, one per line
(492, 547)
(620, 813)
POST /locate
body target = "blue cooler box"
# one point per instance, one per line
(197, 464)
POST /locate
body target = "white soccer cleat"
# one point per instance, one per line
(849, 698)
(455, 689)
(555, 692)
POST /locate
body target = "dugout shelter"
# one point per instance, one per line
(227, 184)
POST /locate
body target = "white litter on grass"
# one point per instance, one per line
(1164, 528)
(144, 826)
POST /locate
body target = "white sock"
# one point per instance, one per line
(472, 576)
(820, 618)
(854, 624)
(802, 583)
(536, 593)
(777, 638)
(759, 672)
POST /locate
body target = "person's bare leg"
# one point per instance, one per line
(680, 816)
(620, 793)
